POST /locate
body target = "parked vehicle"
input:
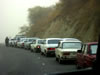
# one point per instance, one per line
(87, 55)
(49, 45)
(36, 45)
(21, 42)
(17, 39)
(29, 41)
(11, 42)
(67, 50)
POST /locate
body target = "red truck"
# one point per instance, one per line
(87, 55)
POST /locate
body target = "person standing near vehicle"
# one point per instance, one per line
(7, 41)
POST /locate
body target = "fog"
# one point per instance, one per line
(13, 14)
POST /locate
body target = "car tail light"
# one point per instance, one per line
(38, 46)
(51, 48)
(67, 53)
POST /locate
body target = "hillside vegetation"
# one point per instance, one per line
(69, 18)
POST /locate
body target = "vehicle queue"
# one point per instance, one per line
(64, 49)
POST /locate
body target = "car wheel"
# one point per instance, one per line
(77, 66)
(46, 54)
(41, 53)
(56, 59)
(60, 61)
(31, 50)
(35, 50)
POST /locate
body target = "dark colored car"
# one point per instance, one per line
(87, 55)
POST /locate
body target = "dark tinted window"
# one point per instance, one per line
(39, 41)
(30, 40)
(53, 41)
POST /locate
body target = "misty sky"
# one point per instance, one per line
(13, 15)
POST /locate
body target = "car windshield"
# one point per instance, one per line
(53, 41)
(23, 40)
(30, 40)
(34, 41)
(72, 45)
(93, 49)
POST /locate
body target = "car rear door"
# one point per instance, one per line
(80, 56)
(87, 57)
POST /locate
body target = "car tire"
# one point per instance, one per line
(41, 53)
(56, 59)
(35, 50)
(46, 54)
(77, 66)
(31, 50)
(60, 61)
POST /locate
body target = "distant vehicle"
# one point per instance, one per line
(87, 55)
(49, 45)
(67, 50)
(21, 42)
(29, 41)
(36, 45)
(17, 39)
(11, 42)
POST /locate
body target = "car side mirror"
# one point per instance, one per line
(79, 51)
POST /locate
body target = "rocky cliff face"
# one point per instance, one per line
(77, 18)
(72, 18)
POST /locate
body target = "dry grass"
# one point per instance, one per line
(71, 18)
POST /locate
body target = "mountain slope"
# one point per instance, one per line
(78, 19)
(71, 18)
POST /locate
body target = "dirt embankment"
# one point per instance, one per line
(72, 18)
(79, 19)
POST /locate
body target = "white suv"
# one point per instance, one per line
(49, 45)
(67, 50)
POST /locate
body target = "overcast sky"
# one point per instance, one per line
(13, 14)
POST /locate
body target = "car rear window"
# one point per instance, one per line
(23, 40)
(53, 41)
(93, 49)
(39, 41)
(34, 41)
(30, 40)
(72, 45)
